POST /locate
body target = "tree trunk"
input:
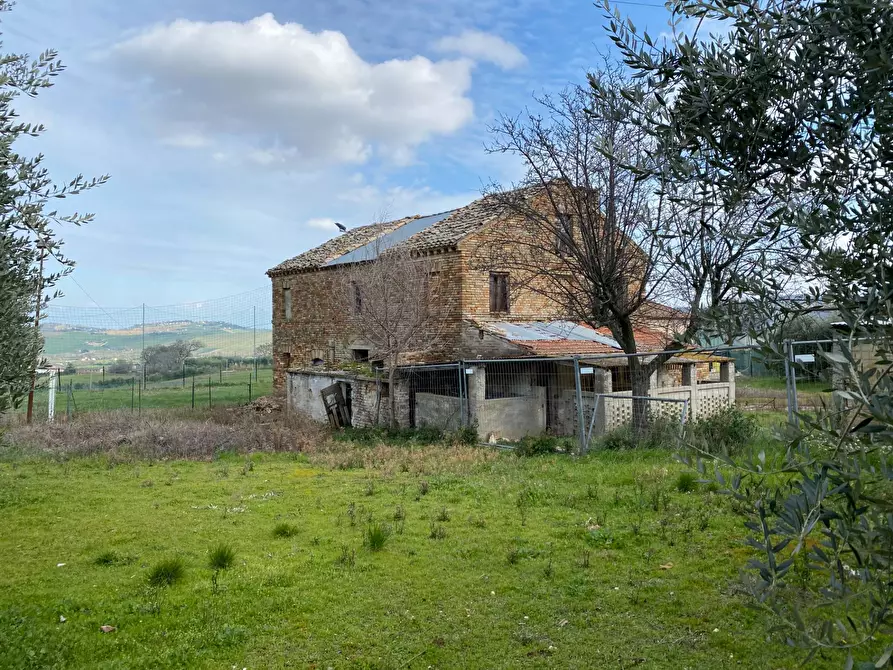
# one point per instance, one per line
(640, 379)
(392, 395)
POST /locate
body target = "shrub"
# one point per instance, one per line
(468, 435)
(377, 535)
(686, 482)
(534, 445)
(727, 431)
(283, 530)
(167, 572)
(661, 432)
(107, 558)
(221, 557)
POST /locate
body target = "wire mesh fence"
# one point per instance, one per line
(188, 355)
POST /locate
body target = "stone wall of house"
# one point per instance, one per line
(322, 327)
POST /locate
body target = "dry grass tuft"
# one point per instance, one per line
(200, 435)
(165, 434)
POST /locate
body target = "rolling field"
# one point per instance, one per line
(89, 346)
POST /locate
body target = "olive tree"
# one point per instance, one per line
(27, 224)
(793, 101)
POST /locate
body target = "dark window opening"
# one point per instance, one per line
(317, 362)
(499, 292)
(361, 355)
(385, 390)
(357, 298)
(286, 360)
(620, 379)
(286, 299)
(564, 234)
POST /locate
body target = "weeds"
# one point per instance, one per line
(112, 558)
(369, 490)
(399, 513)
(376, 536)
(438, 532)
(348, 557)
(166, 572)
(423, 487)
(221, 558)
(443, 515)
(584, 559)
(686, 482)
(477, 521)
(285, 530)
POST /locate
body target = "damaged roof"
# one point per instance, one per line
(416, 233)
(566, 338)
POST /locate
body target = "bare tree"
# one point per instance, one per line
(595, 229)
(392, 303)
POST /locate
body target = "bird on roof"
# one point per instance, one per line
(341, 227)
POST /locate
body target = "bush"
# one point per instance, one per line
(283, 530)
(119, 367)
(221, 557)
(166, 572)
(662, 432)
(377, 535)
(534, 445)
(727, 431)
(686, 482)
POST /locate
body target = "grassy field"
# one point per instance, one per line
(489, 561)
(171, 394)
(778, 384)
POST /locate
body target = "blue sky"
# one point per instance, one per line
(235, 131)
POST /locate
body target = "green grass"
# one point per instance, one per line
(159, 395)
(778, 384)
(540, 562)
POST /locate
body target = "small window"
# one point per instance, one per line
(316, 362)
(564, 235)
(286, 360)
(286, 300)
(385, 390)
(361, 355)
(357, 298)
(499, 292)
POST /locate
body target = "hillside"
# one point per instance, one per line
(65, 342)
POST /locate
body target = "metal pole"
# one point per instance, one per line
(184, 374)
(209, 393)
(139, 406)
(461, 393)
(68, 406)
(221, 373)
(144, 344)
(42, 246)
(579, 389)
(132, 391)
(193, 391)
(249, 387)
(787, 380)
(51, 400)
(254, 331)
(103, 373)
(794, 387)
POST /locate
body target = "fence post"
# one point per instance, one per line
(209, 392)
(579, 393)
(193, 391)
(249, 387)
(221, 373)
(789, 382)
(184, 374)
(462, 413)
(103, 373)
(139, 404)
(51, 398)
(132, 385)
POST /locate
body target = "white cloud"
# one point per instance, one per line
(322, 224)
(484, 47)
(293, 94)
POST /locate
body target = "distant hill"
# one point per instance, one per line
(65, 342)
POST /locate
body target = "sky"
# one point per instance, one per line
(236, 132)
